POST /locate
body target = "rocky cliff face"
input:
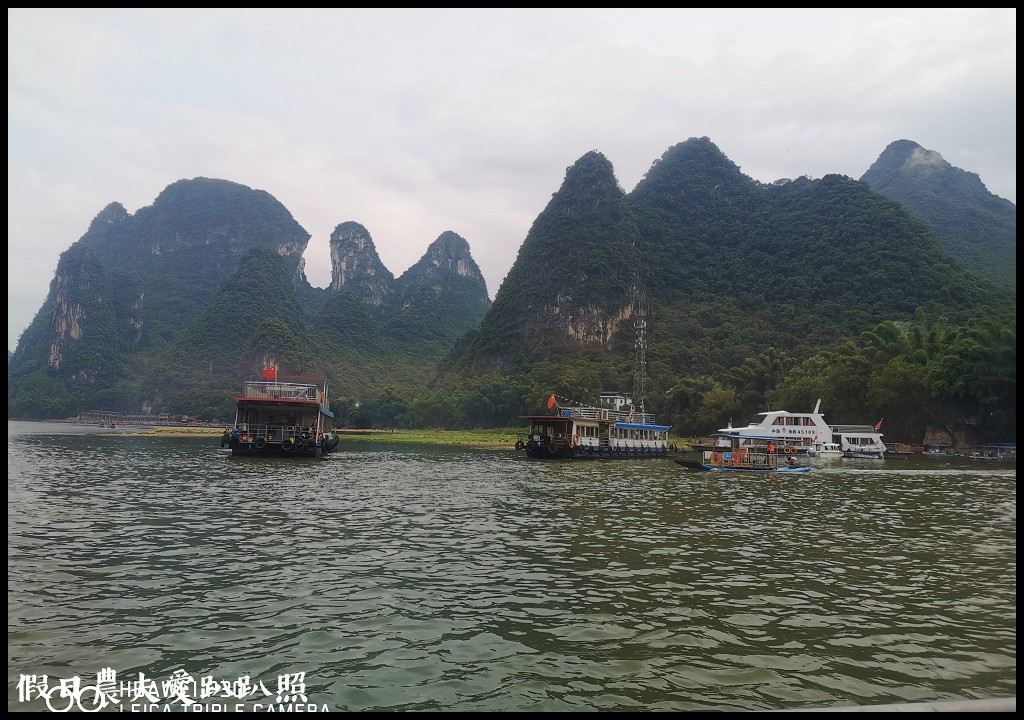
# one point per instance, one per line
(180, 296)
(570, 287)
(356, 266)
(132, 282)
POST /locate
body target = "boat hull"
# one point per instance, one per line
(537, 451)
(298, 449)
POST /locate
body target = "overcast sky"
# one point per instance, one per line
(414, 122)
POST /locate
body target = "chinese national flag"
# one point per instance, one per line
(270, 373)
(551, 402)
(878, 425)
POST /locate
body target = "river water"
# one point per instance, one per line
(417, 577)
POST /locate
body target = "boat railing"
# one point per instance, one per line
(276, 433)
(749, 458)
(588, 412)
(282, 391)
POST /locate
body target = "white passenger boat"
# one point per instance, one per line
(807, 433)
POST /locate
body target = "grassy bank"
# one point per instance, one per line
(478, 438)
(492, 437)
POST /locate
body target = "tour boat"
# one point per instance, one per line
(803, 433)
(616, 428)
(282, 416)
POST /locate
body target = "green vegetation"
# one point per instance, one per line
(978, 229)
(759, 295)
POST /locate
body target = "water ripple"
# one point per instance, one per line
(429, 578)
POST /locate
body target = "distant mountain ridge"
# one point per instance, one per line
(170, 308)
(162, 289)
(977, 228)
(728, 263)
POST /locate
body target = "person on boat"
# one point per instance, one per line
(791, 461)
(771, 449)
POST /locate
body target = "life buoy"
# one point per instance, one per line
(716, 458)
(788, 450)
(261, 442)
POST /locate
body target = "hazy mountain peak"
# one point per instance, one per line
(356, 266)
(977, 228)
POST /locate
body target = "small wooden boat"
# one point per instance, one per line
(753, 456)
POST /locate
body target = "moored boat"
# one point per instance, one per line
(807, 433)
(825, 450)
(938, 450)
(745, 454)
(1004, 451)
(282, 416)
(615, 429)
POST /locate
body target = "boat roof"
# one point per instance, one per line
(741, 436)
(575, 418)
(277, 401)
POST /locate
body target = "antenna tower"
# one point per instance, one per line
(640, 345)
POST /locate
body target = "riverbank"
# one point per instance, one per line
(488, 437)
(493, 437)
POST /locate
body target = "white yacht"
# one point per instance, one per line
(807, 433)
(825, 450)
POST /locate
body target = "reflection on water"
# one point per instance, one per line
(434, 578)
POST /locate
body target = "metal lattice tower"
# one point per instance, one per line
(640, 345)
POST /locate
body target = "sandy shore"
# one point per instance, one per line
(171, 431)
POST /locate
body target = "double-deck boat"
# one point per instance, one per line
(616, 428)
(807, 434)
(282, 416)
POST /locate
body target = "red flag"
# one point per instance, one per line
(551, 402)
(271, 372)
(878, 425)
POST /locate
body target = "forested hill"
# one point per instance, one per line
(977, 228)
(169, 309)
(754, 293)
(727, 264)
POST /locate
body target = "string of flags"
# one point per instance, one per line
(553, 401)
